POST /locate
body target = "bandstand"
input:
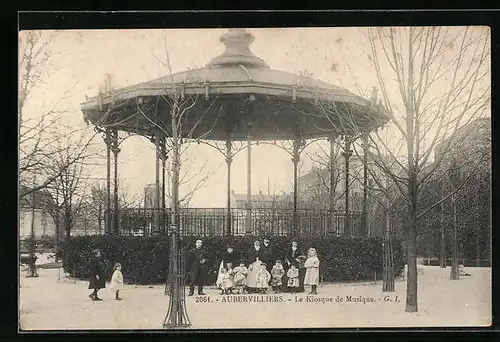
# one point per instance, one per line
(236, 101)
(232, 103)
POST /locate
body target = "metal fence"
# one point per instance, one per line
(214, 221)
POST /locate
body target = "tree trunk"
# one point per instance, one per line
(99, 218)
(388, 267)
(478, 231)
(455, 274)
(442, 254)
(67, 222)
(411, 283)
(32, 263)
(478, 252)
(56, 241)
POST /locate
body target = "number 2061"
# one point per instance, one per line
(203, 299)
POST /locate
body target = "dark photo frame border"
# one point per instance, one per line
(236, 18)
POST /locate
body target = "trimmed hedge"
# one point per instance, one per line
(145, 259)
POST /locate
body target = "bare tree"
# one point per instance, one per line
(181, 124)
(191, 178)
(184, 120)
(98, 204)
(442, 77)
(70, 187)
(461, 175)
(272, 216)
(321, 171)
(39, 133)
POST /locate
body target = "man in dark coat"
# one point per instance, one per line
(97, 272)
(196, 261)
(229, 258)
(267, 254)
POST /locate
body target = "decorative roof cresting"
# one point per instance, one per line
(237, 52)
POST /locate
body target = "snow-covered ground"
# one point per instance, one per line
(43, 258)
(46, 304)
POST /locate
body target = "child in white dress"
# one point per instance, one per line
(277, 273)
(293, 279)
(312, 270)
(226, 281)
(117, 280)
(263, 278)
(240, 277)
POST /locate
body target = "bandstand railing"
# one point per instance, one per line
(265, 221)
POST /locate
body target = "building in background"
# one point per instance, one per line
(260, 200)
(314, 186)
(34, 210)
(150, 196)
(470, 141)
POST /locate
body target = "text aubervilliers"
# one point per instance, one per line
(297, 299)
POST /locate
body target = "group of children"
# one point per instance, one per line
(235, 279)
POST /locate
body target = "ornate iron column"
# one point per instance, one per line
(248, 220)
(157, 140)
(107, 141)
(297, 146)
(295, 160)
(164, 157)
(229, 160)
(332, 184)
(364, 215)
(347, 154)
(115, 149)
(228, 151)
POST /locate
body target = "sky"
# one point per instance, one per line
(81, 59)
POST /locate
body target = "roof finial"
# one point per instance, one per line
(237, 42)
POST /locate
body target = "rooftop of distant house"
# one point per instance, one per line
(260, 197)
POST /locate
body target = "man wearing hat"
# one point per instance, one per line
(267, 254)
(197, 259)
(229, 258)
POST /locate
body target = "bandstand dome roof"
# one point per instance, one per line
(238, 94)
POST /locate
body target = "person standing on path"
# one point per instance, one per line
(254, 260)
(117, 281)
(97, 270)
(228, 263)
(229, 258)
(196, 261)
(295, 256)
(312, 270)
(267, 254)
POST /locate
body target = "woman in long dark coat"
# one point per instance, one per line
(97, 274)
(295, 256)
